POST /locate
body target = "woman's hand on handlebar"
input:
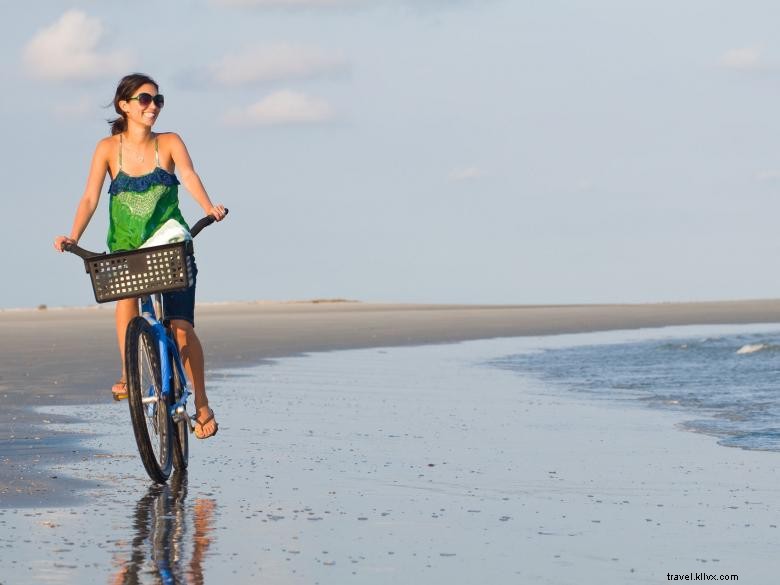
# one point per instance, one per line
(218, 212)
(60, 241)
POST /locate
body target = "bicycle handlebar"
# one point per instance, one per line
(80, 252)
(86, 254)
(202, 223)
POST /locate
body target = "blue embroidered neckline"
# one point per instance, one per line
(124, 182)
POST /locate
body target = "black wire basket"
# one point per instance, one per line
(145, 271)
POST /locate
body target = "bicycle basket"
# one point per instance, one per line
(156, 269)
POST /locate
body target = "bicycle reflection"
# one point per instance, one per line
(159, 548)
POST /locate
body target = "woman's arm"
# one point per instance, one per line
(91, 197)
(190, 179)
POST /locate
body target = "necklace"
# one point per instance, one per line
(139, 156)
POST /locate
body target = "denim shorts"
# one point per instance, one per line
(180, 304)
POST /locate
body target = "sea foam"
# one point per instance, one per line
(752, 348)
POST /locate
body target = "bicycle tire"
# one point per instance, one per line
(152, 423)
(181, 435)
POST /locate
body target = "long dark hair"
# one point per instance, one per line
(124, 91)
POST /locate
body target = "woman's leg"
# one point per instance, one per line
(192, 357)
(126, 310)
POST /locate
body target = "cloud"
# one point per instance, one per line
(280, 62)
(283, 107)
(745, 59)
(415, 4)
(467, 174)
(70, 49)
(768, 175)
(583, 185)
(287, 3)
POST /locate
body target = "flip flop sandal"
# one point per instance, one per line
(119, 390)
(201, 424)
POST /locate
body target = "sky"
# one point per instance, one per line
(434, 151)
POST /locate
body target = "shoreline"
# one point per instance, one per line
(69, 356)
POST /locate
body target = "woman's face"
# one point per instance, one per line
(143, 115)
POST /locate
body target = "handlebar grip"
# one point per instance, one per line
(202, 223)
(79, 251)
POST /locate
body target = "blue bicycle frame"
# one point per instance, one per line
(149, 311)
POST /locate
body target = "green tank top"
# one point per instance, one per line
(140, 205)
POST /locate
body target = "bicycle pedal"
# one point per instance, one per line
(181, 414)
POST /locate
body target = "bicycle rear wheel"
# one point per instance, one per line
(148, 406)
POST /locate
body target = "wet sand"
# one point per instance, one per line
(69, 356)
(406, 465)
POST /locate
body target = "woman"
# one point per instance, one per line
(144, 196)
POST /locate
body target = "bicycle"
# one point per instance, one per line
(157, 389)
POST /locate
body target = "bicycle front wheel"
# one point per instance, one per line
(148, 406)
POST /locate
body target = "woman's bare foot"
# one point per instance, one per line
(119, 390)
(205, 423)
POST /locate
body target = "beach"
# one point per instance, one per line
(347, 452)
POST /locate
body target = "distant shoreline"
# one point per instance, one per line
(110, 306)
(764, 302)
(70, 353)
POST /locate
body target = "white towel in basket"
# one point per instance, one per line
(168, 233)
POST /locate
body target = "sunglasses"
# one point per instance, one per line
(144, 99)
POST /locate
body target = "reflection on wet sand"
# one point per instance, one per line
(158, 546)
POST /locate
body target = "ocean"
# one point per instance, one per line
(727, 379)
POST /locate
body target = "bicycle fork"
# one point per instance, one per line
(170, 359)
(178, 410)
